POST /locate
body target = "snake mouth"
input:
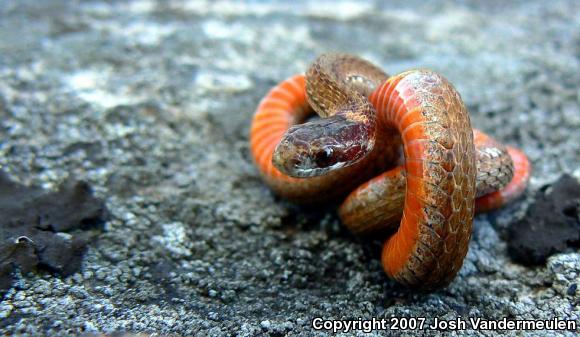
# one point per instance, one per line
(309, 172)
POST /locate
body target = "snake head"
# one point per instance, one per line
(318, 147)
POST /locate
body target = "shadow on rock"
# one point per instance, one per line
(551, 224)
(46, 230)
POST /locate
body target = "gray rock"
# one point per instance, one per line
(151, 101)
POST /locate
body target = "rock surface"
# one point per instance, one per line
(150, 103)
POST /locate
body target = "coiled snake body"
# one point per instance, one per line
(366, 117)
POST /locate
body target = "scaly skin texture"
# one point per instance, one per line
(439, 176)
(285, 106)
(429, 247)
(494, 164)
(377, 205)
(348, 131)
(513, 190)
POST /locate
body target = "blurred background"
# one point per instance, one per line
(150, 102)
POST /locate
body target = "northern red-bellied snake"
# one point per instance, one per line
(433, 193)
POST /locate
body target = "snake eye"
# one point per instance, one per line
(324, 157)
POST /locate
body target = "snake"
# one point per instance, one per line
(400, 153)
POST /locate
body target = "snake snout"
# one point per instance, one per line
(284, 156)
